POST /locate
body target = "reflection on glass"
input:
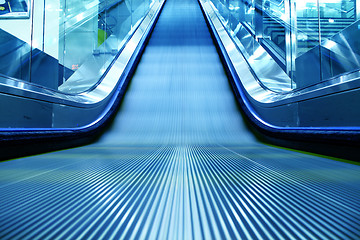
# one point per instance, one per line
(307, 60)
(90, 47)
(325, 48)
(15, 39)
(66, 45)
(339, 31)
(249, 7)
(274, 31)
(307, 26)
(275, 8)
(312, 41)
(241, 12)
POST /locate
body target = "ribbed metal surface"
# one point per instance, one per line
(179, 163)
(179, 192)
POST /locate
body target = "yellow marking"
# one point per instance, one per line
(2, 8)
(9, 7)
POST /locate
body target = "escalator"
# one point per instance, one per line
(179, 162)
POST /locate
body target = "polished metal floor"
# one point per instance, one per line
(179, 163)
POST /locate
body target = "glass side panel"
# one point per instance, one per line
(249, 7)
(223, 9)
(311, 41)
(275, 8)
(241, 12)
(339, 37)
(15, 39)
(307, 61)
(139, 9)
(65, 45)
(307, 26)
(275, 19)
(92, 37)
(84, 32)
(245, 22)
(274, 31)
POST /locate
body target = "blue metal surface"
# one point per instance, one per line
(179, 163)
